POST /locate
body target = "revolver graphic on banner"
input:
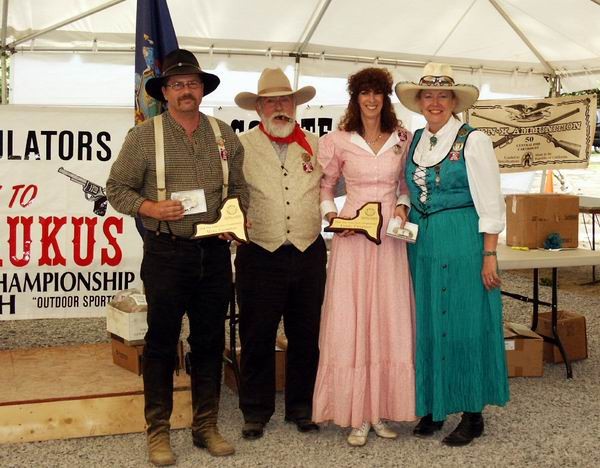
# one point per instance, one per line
(93, 192)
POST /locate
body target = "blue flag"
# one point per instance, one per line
(154, 39)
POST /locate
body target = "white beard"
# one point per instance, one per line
(276, 128)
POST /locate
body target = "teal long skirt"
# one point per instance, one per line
(460, 359)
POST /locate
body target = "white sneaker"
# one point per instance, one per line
(383, 431)
(358, 436)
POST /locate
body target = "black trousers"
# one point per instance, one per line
(187, 276)
(270, 285)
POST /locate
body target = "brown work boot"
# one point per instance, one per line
(159, 449)
(158, 405)
(213, 441)
(206, 390)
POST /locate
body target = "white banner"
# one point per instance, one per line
(63, 252)
(534, 134)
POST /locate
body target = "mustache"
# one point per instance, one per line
(186, 96)
(282, 116)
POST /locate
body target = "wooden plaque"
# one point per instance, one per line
(232, 220)
(367, 221)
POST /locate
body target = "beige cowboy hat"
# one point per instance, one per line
(436, 76)
(273, 82)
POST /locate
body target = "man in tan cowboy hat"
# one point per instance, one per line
(181, 275)
(281, 272)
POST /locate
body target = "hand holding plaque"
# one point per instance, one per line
(232, 220)
(367, 221)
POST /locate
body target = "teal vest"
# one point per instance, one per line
(447, 182)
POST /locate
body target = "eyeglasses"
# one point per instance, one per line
(431, 80)
(179, 85)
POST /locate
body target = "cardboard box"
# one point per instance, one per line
(530, 218)
(524, 350)
(127, 357)
(572, 332)
(130, 357)
(280, 363)
(131, 326)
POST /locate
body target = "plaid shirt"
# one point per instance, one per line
(189, 165)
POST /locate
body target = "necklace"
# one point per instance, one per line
(373, 141)
(432, 142)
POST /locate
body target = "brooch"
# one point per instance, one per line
(437, 179)
(457, 146)
(306, 164)
(432, 142)
(402, 136)
(224, 155)
(454, 156)
(307, 167)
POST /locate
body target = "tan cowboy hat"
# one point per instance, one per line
(436, 76)
(273, 82)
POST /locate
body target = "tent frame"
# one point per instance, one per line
(298, 53)
(3, 53)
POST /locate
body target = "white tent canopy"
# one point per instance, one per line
(509, 45)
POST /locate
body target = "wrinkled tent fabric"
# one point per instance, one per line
(507, 43)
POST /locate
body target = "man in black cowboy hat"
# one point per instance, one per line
(181, 275)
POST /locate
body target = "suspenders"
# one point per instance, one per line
(159, 143)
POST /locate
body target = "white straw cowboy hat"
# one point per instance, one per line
(436, 76)
(272, 83)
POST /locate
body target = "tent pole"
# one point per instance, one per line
(543, 61)
(555, 86)
(306, 36)
(3, 53)
(546, 184)
(312, 25)
(64, 23)
(4, 77)
(454, 28)
(296, 71)
(519, 33)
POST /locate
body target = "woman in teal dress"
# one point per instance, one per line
(454, 185)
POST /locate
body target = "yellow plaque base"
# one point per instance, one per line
(367, 221)
(232, 220)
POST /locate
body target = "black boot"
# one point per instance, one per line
(158, 405)
(469, 428)
(206, 391)
(427, 426)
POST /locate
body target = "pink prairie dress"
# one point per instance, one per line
(366, 365)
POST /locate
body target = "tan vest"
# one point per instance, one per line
(284, 204)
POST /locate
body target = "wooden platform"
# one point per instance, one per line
(75, 391)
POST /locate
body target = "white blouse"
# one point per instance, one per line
(483, 172)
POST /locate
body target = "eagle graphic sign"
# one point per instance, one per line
(534, 134)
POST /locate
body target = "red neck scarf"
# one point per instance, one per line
(297, 136)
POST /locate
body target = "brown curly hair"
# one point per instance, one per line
(379, 80)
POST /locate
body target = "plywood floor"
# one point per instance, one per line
(74, 391)
(69, 372)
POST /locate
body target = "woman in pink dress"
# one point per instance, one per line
(366, 370)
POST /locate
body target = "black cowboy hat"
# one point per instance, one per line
(180, 62)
